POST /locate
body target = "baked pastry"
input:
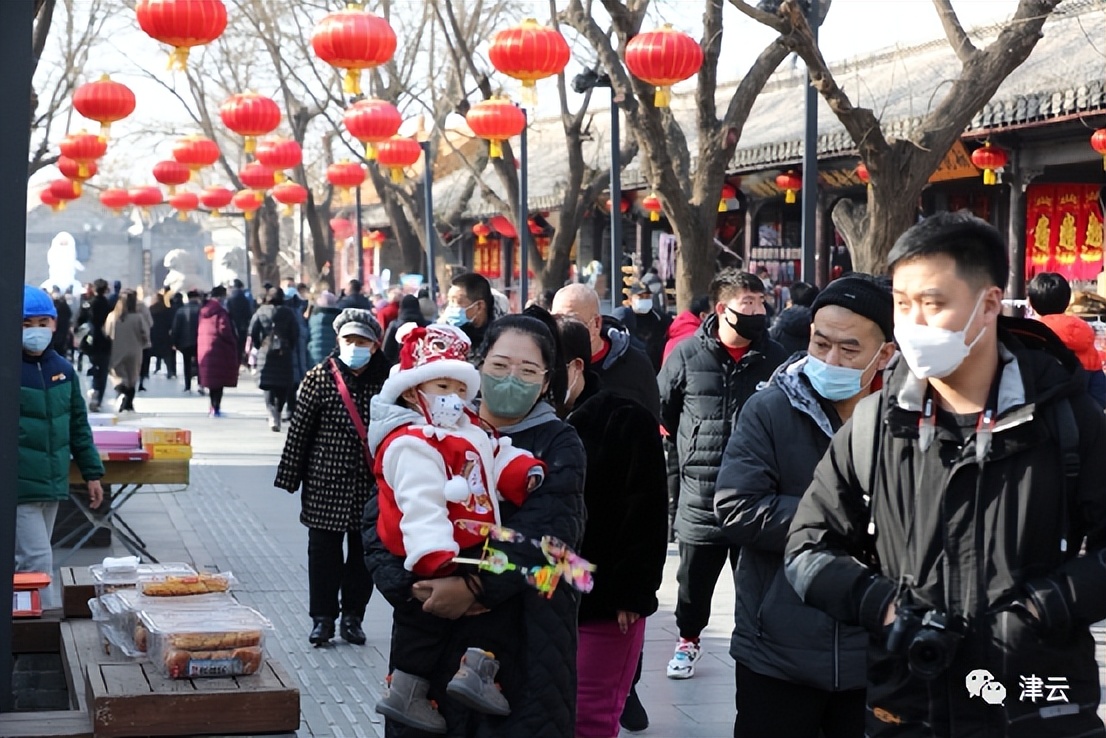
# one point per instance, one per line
(214, 641)
(176, 586)
(185, 664)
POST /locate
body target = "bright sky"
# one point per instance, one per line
(853, 28)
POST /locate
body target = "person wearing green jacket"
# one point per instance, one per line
(53, 427)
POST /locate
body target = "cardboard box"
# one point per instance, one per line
(101, 419)
(168, 451)
(166, 436)
(116, 438)
(129, 454)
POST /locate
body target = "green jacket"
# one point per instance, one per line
(53, 426)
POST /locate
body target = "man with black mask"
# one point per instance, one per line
(703, 385)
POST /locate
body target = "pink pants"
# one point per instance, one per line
(605, 664)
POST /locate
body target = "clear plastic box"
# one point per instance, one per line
(216, 643)
(117, 614)
(112, 580)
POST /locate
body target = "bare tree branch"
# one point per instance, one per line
(958, 39)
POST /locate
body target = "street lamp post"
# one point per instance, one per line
(428, 216)
(810, 169)
(360, 246)
(523, 219)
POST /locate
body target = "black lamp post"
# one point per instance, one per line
(428, 216)
(523, 217)
(810, 167)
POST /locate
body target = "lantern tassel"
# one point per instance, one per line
(789, 198)
(178, 59)
(250, 145)
(82, 170)
(397, 175)
(529, 93)
(77, 187)
(1104, 162)
(722, 206)
(248, 214)
(278, 176)
(654, 216)
(662, 97)
(287, 211)
(182, 215)
(989, 177)
(215, 213)
(105, 131)
(59, 207)
(370, 152)
(351, 82)
(495, 149)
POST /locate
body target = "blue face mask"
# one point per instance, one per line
(353, 356)
(455, 315)
(35, 340)
(835, 383)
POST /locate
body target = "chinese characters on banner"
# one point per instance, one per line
(542, 245)
(486, 258)
(1063, 230)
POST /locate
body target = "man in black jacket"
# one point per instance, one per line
(622, 368)
(799, 673)
(184, 335)
(961, 516)
(100, 355)
(703, 385)
(240, 307)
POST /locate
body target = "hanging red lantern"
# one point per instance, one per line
(652, 204)
(50, 200)
(790, 183)
(195, 152)
(279, 154)
(529, 52)
(104, 101)
(343, 228)
(115, 198)
(862, 173)
(372, 121)
(146, 197)
(209, 252)
(290, 194)
(83, 148)
(184, 203)
(171, 173)
(65, 190)
(250, 114)
(378, 238)
(72, 170)
(353, 40)
(248, 201)
(663, 58)
(481, 231)
(989, 158)
(496, 120)
(623, 205)
(182, 24)
(216, 198)
(345, 175)
(398, 153)
(1098, 143)
(257, 176)
(729, 192)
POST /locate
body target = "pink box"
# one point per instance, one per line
(116, 438)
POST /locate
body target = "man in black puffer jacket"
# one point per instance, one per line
(703, 386)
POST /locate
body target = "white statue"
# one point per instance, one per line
(183, 274)
(61, 259)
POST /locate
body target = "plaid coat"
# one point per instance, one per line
(323, 452)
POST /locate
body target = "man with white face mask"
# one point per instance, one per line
(960, 517)
(799, 673)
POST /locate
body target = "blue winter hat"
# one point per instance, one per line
(37, 303)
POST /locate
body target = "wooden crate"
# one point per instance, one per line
(77, 588)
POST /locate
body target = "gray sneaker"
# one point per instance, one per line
(474, 684)
(406, 703)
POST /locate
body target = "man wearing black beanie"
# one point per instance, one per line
(799, 673)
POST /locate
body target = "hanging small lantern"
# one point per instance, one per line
(182, 24)
(115, 198)
(195, 152)
(990, 159)
(257, 176)
(529, 52)
(290, 194)
(146, 197)
(496, 120)
(248, 201)
(372, 121)
(104, 101)
(250, 115)
(652, 204)
(790, 183)
(209, 252)
(374, 239)
(1098, 143)
(83, 148)
(72, 170)
(216, 198)
(171, 173)
(64, 190)
(50, 200)
(343, 228)
(184, 203)
(481, 231)
(728, 193)
(279, 154)
(663, 58)
(862, 173)
(353, 40)
(398, 153)
(345, 175)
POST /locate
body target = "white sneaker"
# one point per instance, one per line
(682, 665)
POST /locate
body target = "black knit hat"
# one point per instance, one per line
(861, 294)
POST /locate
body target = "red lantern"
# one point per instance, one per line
(623, 206)
(290, 194)
(729, 192)
(496, 120)
(209, 252)
(145, 197)
(481, 231)
(790, 183)
(184, 203)
(248, 201)
(353, 39)
(65, 190)
(195, 152)
(862, 173)
(104, 101)
(342, 227)
(652, 205)
(345, 174)
(1098, 143)
(378, 238)
(249, 114)
(529, 52)
(171, 173)
(663, 58)
(115, 198)
(72, 170)
(216, 198)
(257, 176)
(83, 148)
(989, 158)
(372, 121)
(398, 153)
(279, 154)
(49, 199)
(182, 24)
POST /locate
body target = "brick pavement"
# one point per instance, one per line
(231, 518)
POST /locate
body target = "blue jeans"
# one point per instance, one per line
(34, 524)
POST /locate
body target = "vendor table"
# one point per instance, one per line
(123, 479)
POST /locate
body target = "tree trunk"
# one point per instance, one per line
(695, 263)
(322, 246)
(265, 243)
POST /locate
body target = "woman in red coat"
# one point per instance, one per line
(217, 350)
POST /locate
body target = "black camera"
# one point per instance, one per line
(927, 638)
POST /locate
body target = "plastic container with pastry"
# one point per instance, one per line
(217, 643)
(179, 585)
(112, 579)
(117, 614)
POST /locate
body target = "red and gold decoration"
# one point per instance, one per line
(372, 121)
(652, 205)
(790, 183)
(663, 58)
(171, 173)
(529, 52)
(145, 197)
(1064, 230)
(729, 192)
(184, 203)
(279, 154)
(182, 24)
(50, 200)
(398, 153)
(72, 170)
(289, 194)
(209, 252)
(250, 115)
(989, 158)
(496, 120)
(353, 40)
(115, 199)
(65, 190)
(248, 201)
(195, 152)
(1098, 143)
(481, 231)
(104, 101)
(862, 173)
(216, 198)
(373, 240)
(343, 228)
(487, 253)
(257, 176)
(345, 175)
(83, 148)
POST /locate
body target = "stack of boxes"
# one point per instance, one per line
(167, 444)
(142, 444)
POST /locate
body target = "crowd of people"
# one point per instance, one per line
(904, 482)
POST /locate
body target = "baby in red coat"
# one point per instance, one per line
(435, 465)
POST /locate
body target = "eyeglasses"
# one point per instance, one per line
(500, 369)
